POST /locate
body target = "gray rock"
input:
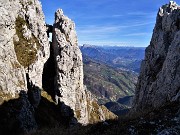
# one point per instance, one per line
(69, 68)
(17, 116)
(29, 16)
(170, 131)
(159, 79)
(24, 48)
(69, 86)
(25, 114)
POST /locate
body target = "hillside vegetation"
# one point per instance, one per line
(107, 83)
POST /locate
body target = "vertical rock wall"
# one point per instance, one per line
(69, 67)
(159, 80)
(23, 45)
(24, 48)
(69, 86)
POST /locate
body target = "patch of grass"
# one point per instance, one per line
(21, 83)
(92, 108)
(46, 96)
(108, 114)
(6, 97)
(25, 48)
(78, 114)
(94, 111)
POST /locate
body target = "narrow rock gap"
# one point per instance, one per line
(49, 32)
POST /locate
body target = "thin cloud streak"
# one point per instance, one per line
(98, 29)
(108, 29)
(137, 34)
(137, 13)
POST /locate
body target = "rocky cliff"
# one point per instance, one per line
(159, 80)
(41, 82)
(24, 48)
(24, 45)
(69, 86)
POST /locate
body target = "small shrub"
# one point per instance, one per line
(6, 97)
(46, 96)
(30, 2)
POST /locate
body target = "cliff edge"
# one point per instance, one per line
(159, 80)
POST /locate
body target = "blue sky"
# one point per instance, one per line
(108, 22)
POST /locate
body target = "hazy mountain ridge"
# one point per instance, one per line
(127, 58)
(108, 73)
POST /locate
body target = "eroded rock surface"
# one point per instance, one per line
(23, 44)
(26, 67)
(69, 86)
(159, 80)
(24, 48)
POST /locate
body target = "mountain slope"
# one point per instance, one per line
(107, 83)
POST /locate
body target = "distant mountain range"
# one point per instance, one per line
(110, 73)
(125, 58)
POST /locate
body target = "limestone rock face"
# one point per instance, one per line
(69, 86)
(69, 67)
(159, 80)
(24, 48)
(26, 67)
(23, 44)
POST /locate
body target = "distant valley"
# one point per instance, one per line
(111, 73)
(124, 58)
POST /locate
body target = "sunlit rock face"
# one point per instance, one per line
(24, 46)
(69, 68)
(69, 86)
(159, 80)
